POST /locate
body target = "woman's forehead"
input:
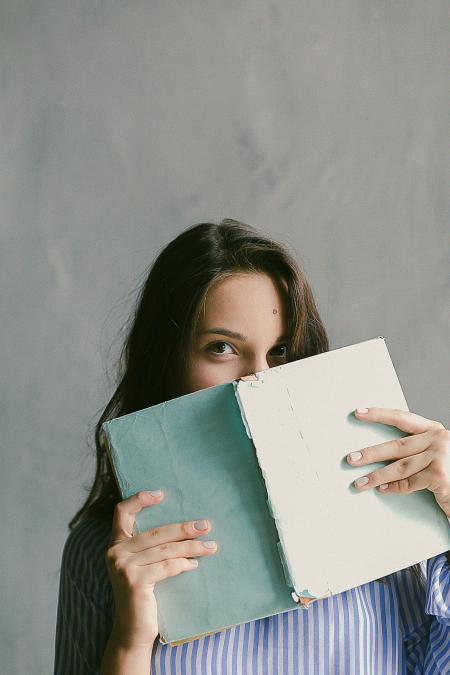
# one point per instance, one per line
(243, 300)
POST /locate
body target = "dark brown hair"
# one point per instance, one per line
(160, 337)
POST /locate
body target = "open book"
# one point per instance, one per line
(265, 462)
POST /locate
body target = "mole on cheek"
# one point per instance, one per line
(274, 311)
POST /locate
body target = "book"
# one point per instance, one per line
(265, 462)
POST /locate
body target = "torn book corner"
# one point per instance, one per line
(305, 600)
(241, 407)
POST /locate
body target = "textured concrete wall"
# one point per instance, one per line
(322, 123)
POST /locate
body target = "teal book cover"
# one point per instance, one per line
(264, 461)
(197, 450)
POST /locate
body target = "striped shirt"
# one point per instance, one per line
(374, 629)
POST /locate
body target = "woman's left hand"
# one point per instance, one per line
(422, 459)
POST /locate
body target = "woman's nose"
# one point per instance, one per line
(256, 366)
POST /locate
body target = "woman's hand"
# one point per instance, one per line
(136, 563)
(422, 459)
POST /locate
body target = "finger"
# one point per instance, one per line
(167, 533)
(417, 481)
(432, 478)
(403, 419)
(124, 515)
(399, 470)
(169, 567)
(178, 549)
(391, 450)
(248, 378)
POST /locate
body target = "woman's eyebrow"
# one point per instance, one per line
(233, 334)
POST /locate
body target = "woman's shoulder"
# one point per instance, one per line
(86, 601)
(83, 558)
(88, 536)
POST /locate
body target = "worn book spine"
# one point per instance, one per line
(305, 598)
(302, 600)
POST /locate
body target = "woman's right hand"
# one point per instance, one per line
(136, 562)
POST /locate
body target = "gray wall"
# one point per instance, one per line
(322, 123)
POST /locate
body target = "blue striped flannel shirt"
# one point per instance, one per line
(373, 629)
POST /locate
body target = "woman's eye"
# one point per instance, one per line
(215, 345)
(283, 347)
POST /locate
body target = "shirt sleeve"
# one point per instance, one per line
(85, 602)
(437, 607)
(437, 598)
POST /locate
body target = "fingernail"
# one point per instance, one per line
(355, 456)
(359, 482)
(362, 410)
(201, 525)
(384, 486)
(209, 544)
(155, 493)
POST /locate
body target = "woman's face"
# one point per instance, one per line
(241, 331)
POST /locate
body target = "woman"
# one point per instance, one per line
(223, 301)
